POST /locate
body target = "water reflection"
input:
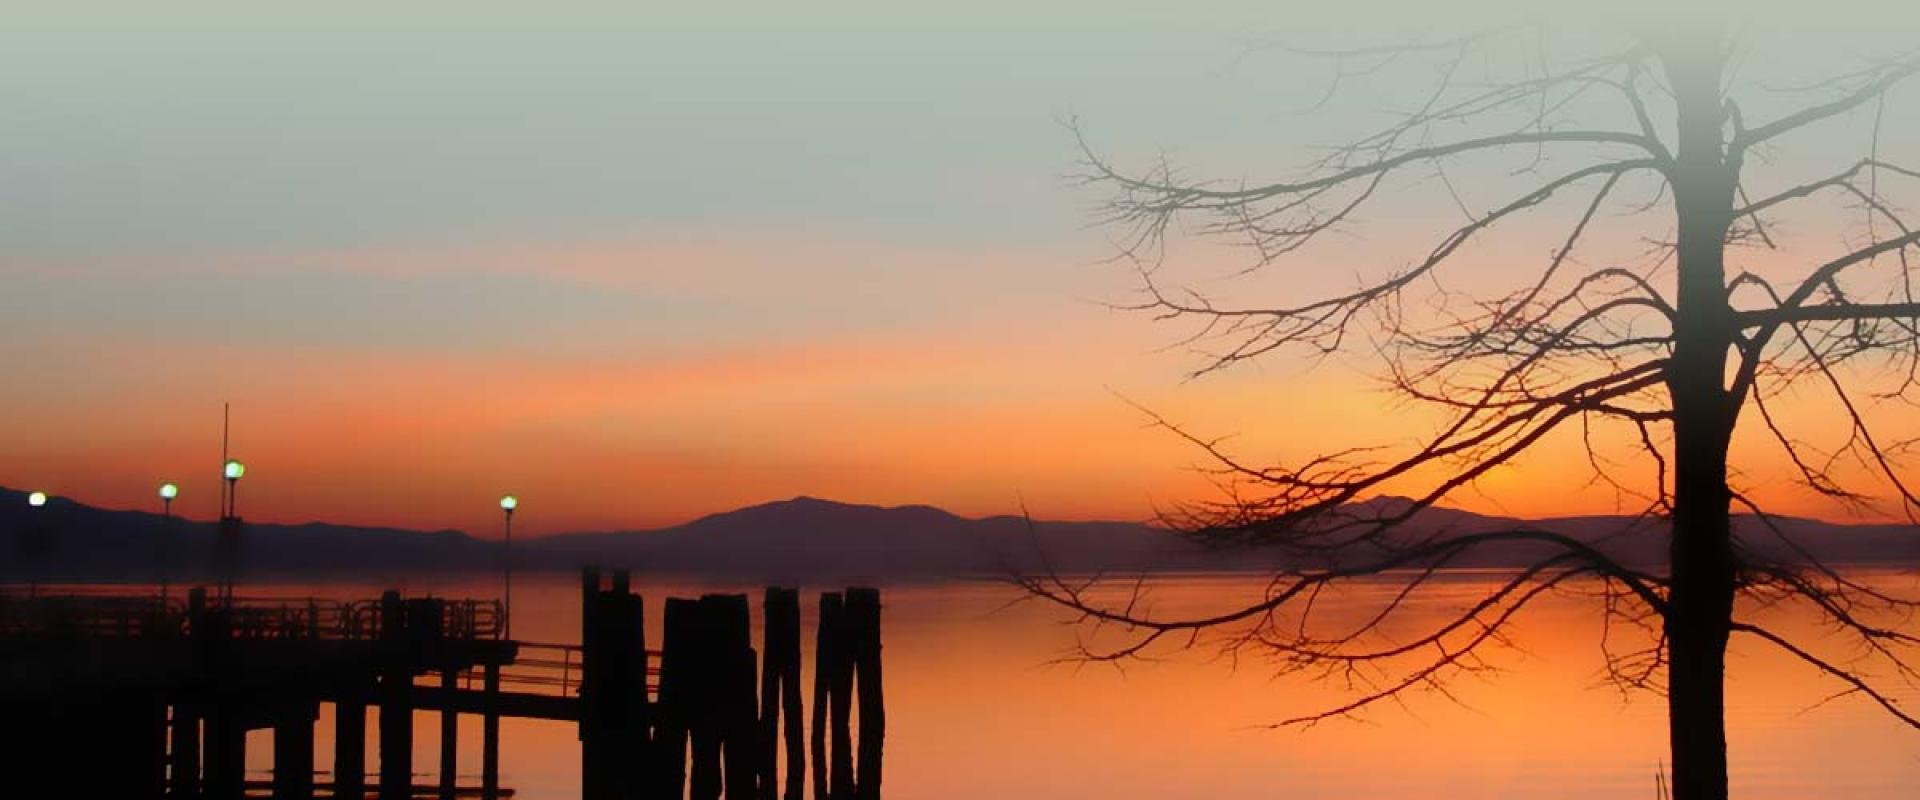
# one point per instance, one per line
(977, 708)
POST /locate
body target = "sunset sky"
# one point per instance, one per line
(638, 265)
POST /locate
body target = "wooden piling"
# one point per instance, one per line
(613, 690)
(293, 752)
(846, 660)
(863, 639)
(396, 711)
(780, 705)
(719, 632)
(151, 730)
(595, 783)
(350, 749)
(183, 755)
(636, 709)
(827, 663)
(226, 753)
(673, 713)
(490, 735)
(734, 699)
(449, 738)
(126, 729)
(839, 671)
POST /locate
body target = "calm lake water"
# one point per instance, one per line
(977, 707)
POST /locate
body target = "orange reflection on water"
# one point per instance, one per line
(977, 708)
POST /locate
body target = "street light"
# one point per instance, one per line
(507, 505)
(168, 491)
(36, 533)
(233, 471)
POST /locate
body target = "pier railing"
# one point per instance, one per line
(552, 669)
(127, 615)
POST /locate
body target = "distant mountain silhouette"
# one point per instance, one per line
(801, 539)
(807, 537)
(69, 540)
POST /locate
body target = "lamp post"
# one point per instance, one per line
(36, 534)
(168, 491)
(507, 505)
(232, 471)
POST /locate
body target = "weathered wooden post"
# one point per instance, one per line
(183, 757)
(396, 708)
(293, 751)
(593, 758)
(734, 703)
(828, 661)
(226, 752)
(863, 640)
(152, 728)
(780, 695)
(183, 763)
(225, 743)
(673, 713)
(449, 736)
(613, 690)
(125, 728)
(490, 736)
(635, 711)
(350, 749)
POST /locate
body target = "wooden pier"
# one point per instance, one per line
(137, 697)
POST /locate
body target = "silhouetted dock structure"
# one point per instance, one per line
(140, 697)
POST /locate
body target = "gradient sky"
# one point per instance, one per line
(639, 264)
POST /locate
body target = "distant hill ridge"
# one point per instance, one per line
(804, 538)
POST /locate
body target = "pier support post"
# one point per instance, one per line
(490, 736)
(863, 640)
(673, 713)
(183, 757)
(613, 689)
(636, 717)
(449, 737)
(735, 704)
(780, 696)
(350, 749)
(594, 758)
(152, 732)
(293, 752)
(226, 753)
(832, 702)
(396, 711)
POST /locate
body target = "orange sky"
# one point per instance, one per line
(638, 271)
(1020, 404)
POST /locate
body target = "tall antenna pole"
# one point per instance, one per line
(229, 545)
(226, 429)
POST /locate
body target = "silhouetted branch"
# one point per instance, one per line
(1598, 346)
(1883, 79)
(1858, 685)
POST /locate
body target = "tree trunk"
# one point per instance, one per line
(1701, 597)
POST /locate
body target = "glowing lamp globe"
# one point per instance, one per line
(37, 499)
(235, 470)
(169, 491)
(509, 503)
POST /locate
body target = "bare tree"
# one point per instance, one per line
(1665, 353)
